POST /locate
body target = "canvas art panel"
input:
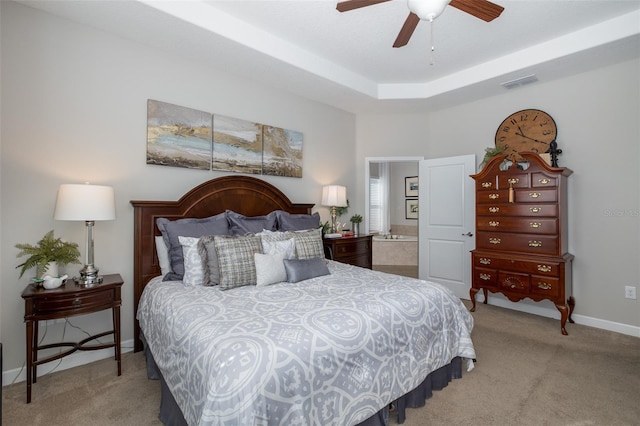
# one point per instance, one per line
(178, 136)
(237, 145)
(282, 152)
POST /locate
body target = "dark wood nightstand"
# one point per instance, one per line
(67, 301)
(352, 250)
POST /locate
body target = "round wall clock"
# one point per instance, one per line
(526, 130)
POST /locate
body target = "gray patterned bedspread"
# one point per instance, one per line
(332, 350)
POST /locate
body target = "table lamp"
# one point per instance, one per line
(334, 196)
(88, 203)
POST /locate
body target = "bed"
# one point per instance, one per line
(342, 346)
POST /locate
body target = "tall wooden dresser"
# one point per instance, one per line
(521, 239)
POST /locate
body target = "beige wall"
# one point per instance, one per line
(598, 119)
(74, 110)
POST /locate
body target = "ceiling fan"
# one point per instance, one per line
(428, 10)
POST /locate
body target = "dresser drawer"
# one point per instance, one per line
(485, 278)
(539, 267)
(541, 180)
(493, 197)
(351, 248)
(515, 224)
(513, 180)
(548, 287)
(524, 243)
(536, 195)
(528, 210)
(513, 282)
(74, 304)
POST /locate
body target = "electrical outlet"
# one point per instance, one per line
(629, 292)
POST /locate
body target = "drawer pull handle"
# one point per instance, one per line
(534, 194)
(494, 223)
(76, 302)
(544, 181)
(487, 184)
(535, 224)
(485, 261)
(494, 209)
(535, 209)
(494, 240)
(544, 286)
(535, 243)
(513, 181)
(494, 196)
(485, 277)
(544, 268)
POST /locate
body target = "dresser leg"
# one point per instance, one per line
(472, 294)
(564, 313)
(572, 304)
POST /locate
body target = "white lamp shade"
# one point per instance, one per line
(85, 202)
(334, 196)
(427, 10)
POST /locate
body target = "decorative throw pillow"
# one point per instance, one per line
(304, 269)
(163, 256)
(193, 270)
(171, 229)
(288, 247)
(236, 260)
(209, 258)
(243, 225)
(297, 222)
(270, 268)
(309, 244)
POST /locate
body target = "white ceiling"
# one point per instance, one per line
(347, 59)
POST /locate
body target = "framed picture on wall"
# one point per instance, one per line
(411, 186)
(411, 208)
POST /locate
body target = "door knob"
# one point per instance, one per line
(468, 234)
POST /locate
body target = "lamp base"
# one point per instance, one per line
(88, 276)
(88, 281)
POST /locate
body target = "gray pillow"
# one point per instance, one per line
(210, 267)
(243, 225)
(304, 269)
(297, 222)
(191, 227)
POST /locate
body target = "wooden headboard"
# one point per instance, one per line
(243, 194)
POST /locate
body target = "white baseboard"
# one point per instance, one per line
(543, 311)
(74, 360)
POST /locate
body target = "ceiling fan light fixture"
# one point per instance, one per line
(427, 10)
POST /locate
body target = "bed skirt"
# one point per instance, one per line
(171, 415)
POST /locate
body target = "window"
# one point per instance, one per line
(375, 205)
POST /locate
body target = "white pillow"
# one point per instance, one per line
(193, 270)
(288, 247)
(163, 256)
(270, 268)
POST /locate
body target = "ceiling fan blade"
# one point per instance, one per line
(407, 30)
(345, 6)
(482, 9)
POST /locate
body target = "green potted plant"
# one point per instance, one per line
(491, 152)
(47, 255)
(355, 220)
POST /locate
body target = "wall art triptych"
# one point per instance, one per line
(184, 137)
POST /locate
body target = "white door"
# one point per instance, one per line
(446, 211)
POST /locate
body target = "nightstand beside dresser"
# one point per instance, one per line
(67, 301)
(354, 250)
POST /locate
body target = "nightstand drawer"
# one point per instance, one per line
(74, 303)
